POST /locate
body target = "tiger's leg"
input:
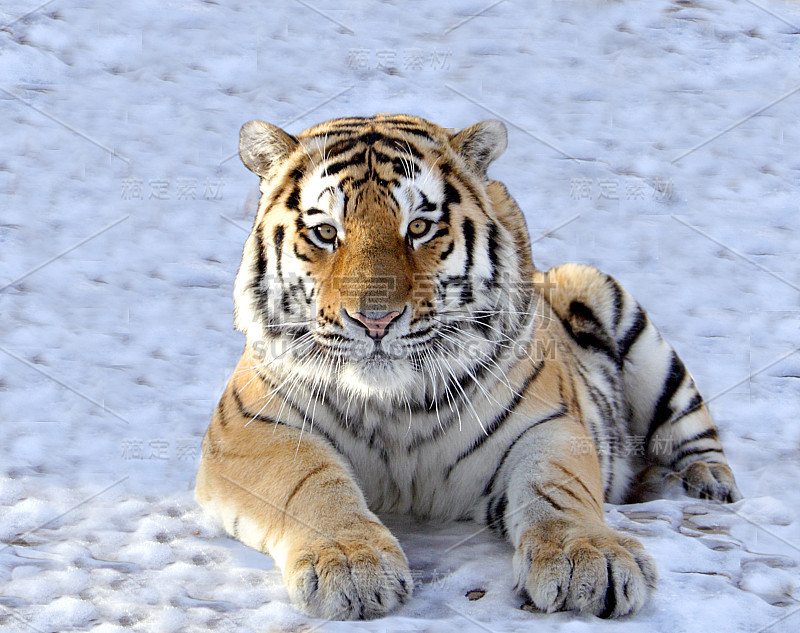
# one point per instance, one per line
(667, 412)
(566, 557)
(297, 501)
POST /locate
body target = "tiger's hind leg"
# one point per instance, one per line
(672, 433)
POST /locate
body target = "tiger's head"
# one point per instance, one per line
(382, 258)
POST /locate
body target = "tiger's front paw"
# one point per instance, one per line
(706, 480)
(360, 574)
(592, 570)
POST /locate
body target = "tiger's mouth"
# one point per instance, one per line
(345, 349)
(378, 356)
(351, 341)
(387, 367)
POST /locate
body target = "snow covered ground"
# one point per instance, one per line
(122, 217)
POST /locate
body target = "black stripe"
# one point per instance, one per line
(697, 450)
(541, 493)
(466, 295)
(302, 482)
(618, 296)
(498, 421)
(490, 512)
(606, 410)
(600, 401)
(448, 404)
(332, 131)
(500, 513)
(372, 137)
(553, 416)
(402, 145)
(418, 334)
(221, 414)
(385, 159)
(278, 239)
(334, 150)
(381, 182)
(627, 341)
(427, 405)
(446, 252)
(492, 248)
(694, 405)
(566, 491)
(334, 168)
(575, 478)
(401, 165)
(300, 255)
(264, 380)
(293, 199)
(709, 434)
(261, 258)
(426, 205)
(348, 127)
(468, 228)
(249, 414)
(415, 131)
(609, 471)
(451, 196)
(302, 412)
(663, 410)
(351, 120)
(483, 323)
(495, 513)
(588, 340)
(392, 142)
(370, 155)
(309, 240)
(582, 311)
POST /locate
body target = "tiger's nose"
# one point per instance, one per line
(375, 322)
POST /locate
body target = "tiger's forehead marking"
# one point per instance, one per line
(418, 191)
(323, 191)
(421, 195)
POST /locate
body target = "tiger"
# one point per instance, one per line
(404, 355)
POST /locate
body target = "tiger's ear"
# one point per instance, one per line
(481, 144)
(262, 146)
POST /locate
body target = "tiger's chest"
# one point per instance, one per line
(404, 470)
(436, 463)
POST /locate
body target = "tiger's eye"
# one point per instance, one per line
(418, 227)
(325, 232)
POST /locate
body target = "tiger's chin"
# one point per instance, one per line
(380, 378)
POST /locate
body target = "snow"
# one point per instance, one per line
(113, 355)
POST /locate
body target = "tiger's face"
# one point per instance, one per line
(377, 260)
